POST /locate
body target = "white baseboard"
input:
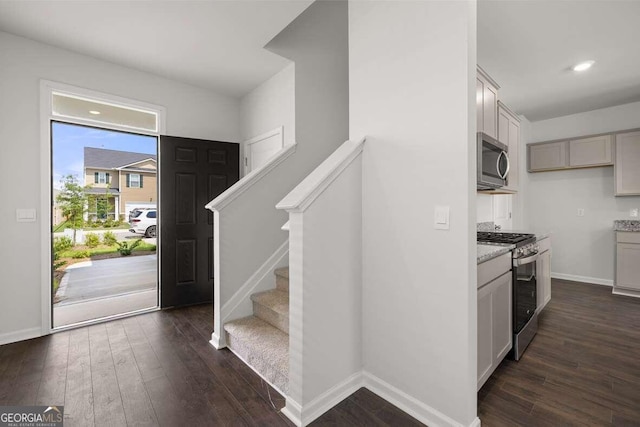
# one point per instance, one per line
(585, 279)
(302, 416)
(239, 305)
(331, 398)
(293, 411)
(21, 335)
(218, 342)
(409, 404)
(626, 292)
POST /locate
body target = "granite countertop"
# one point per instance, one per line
(487, 252)
(626, 225)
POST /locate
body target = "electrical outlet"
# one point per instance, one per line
(633, 213)
(580, 212)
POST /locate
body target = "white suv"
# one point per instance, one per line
(143, 221)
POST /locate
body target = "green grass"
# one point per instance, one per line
(56, 285)
(66, 224)
(106, 250)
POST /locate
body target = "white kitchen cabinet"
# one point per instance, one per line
(547, 156)
(627, 260)
(543, 274)
(486, 104)
(627, 164)
(509, 135)
(495, 329)
(592, 151)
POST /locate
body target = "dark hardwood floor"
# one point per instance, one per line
(582, 368)
(158, 369)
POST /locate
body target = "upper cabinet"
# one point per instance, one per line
(627, 167)
(547, 156)
(509, 135)
(593, 151)
(487, 104)
(583, 152)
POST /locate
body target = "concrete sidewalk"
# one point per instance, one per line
(103, 307)
(95, 289)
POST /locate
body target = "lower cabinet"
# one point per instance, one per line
(494, 325)
(627, 261)
(543, 278)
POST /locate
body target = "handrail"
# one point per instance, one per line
(246, 182)
(299, 199)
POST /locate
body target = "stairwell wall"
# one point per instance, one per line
(412, 93)
(249, 227)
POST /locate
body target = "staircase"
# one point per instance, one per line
(262, 340)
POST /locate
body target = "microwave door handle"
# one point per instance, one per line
(506, 172)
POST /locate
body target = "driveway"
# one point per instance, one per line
(108, 277)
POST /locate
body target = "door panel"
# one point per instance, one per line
(193, 172)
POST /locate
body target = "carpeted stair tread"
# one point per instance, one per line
(263, 347)
(274, 299)
(282, 272)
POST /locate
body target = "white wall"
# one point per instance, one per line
(484, 207)
(583, 247)
(326, 282)
(270, 105)
(412, 92)
(191, 112)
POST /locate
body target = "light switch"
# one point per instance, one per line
(633, 213)
(441, 218)
(25, 215)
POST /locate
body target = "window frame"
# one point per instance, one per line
(131, 175)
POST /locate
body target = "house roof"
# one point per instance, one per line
(112, 159)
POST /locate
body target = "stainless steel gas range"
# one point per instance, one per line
(524, 257)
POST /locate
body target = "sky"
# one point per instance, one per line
(68, 142)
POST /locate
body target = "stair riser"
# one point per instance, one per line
(282, 283)
(271, 317)
(272, 375)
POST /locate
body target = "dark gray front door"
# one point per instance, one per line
(192, 173)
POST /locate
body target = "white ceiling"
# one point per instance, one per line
(529, 46)
(211, 44)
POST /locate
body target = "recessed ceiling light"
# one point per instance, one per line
(583, 66)
(94, 112)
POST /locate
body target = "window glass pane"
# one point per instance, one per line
(74, 107)
(151, 214)
(134, 180)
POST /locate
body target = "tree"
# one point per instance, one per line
(72, 200)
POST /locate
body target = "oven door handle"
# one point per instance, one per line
(517, 262)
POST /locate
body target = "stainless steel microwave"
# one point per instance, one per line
(493, 163)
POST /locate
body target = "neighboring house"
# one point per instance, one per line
(119, 181)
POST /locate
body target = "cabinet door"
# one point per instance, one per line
(509, 134)
(485, 334)
(490, 110)
(547, 156)
(543, 278)
(628, 266)
(479, 104)
(627, 165)
(502, 317)
(594, 151)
